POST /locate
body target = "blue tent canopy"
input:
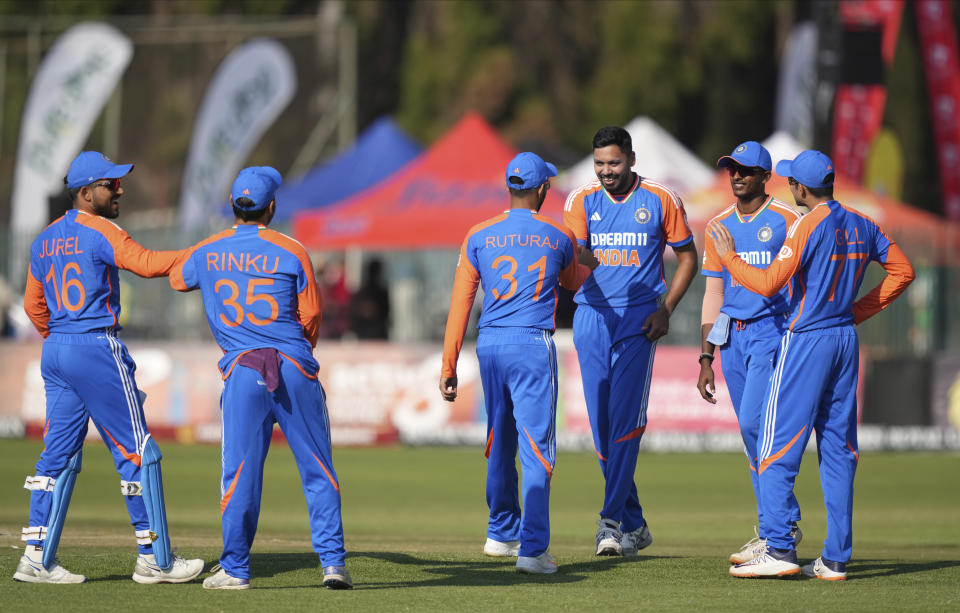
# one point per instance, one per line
(382, 149)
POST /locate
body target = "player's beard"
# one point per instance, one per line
(109, 209)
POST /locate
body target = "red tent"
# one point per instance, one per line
(432, 202)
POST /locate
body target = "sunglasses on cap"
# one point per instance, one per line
(111, 184)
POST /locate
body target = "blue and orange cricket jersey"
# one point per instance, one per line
(758, 238)
(248, 275)
(518, 257)
(830, 247)
(73, 285)
(627, 234)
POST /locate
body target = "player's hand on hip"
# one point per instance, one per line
(706, 385)
(722, 239)
(448, 388)
(657, 324)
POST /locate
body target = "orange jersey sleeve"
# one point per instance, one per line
(899, 275)
(769, 281)
(461, 303)
(309, 300)
(35, 305)
(128, 253)
(575, 216)
(675, 227)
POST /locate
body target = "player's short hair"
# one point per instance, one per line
(246, 214)
(613, 135)
(822, 192)
(520, 193)
(71, 191)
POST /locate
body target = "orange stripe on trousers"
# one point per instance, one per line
(327, 472)
(770, 460)
(229, 493)
(130, 456)
(540, 457)
(633, 434)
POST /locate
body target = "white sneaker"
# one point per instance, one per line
(750, 550)
(755, 546)
(34, 572)
(608, 538)
(180, 571)
(222, 581)
(635, 540)
(768, 564)
(543, 564)
(499, 549)
(821, 570)
(337, 578)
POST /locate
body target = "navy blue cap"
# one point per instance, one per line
(750, 154)
(91, 166)
(810, 168)
(531, 169)
(259, 184)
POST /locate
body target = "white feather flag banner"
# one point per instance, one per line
(71, 87)
(249, 90)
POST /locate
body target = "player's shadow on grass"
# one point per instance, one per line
(870, 569)
(441, 572)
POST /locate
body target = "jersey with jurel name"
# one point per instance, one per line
(826, 253)
(627, 235)
(519, 257)
(259, 291)
(73, 285)
(758, 238)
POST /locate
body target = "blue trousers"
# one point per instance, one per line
(90, 377)
(518, 369)
(248, 412)
(814, 387)
(747, 361)
(616, 361)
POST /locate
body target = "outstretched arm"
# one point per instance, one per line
(765, 282)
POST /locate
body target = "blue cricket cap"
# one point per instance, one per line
(259, 184)
(530, 169)
(750, 154)
(90, 166)
(810, 168)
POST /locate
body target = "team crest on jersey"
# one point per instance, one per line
(641, 215)
(785, 253)
(764, 234)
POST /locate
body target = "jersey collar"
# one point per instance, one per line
(755, 213)
(627, 196)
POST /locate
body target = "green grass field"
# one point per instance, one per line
(415, 522)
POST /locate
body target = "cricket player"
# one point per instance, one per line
(263, 307)
(73, 299)
(814, 381)
(518, 257)
(746, 326)
(623, 308)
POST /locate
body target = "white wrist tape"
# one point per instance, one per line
(130, 488)
(44, 484)
(145, 537)
(33, 533)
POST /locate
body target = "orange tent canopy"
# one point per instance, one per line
(432, 202)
